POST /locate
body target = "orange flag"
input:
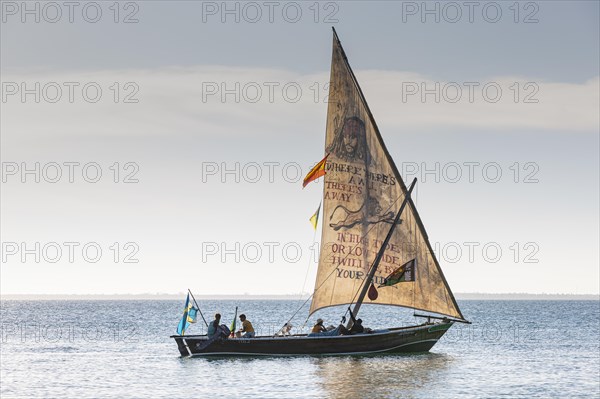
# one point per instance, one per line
(316, 172)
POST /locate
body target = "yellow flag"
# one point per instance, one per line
(314, 219)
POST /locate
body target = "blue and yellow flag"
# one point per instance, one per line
(192, 313)
(189, 316)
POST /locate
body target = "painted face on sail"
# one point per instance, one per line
(350, 142)
(352, 130)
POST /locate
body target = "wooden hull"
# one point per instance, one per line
(394, 340)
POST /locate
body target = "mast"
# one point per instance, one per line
(369, 278)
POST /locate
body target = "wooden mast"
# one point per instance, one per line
(369, 278)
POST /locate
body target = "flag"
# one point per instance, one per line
(316, 172)
(406, 272)
(232, 329)
(192, 313)
(189, 316)
(314, 219)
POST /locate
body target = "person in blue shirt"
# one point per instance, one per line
(213, 327)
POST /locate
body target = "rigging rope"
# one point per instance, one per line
(309, 263)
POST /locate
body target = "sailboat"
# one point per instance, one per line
(374, 247)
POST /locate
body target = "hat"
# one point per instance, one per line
(319, 321)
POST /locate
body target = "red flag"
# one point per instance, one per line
(373, 294)
(317, 171)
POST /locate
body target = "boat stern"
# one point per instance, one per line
(182, 345)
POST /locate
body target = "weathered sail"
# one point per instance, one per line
(362, 193)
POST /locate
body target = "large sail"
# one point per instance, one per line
(363, 192)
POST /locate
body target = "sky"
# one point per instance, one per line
(156, 146)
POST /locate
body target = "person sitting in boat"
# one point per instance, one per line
(319, 327)
(213, 327)
(216, 330)
(357, 327)
(247, 328)
(320, 330)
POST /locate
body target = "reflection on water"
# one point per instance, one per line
(379, 376)
(348, 377)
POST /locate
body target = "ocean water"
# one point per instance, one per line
(122, 349)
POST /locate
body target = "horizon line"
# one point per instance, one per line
(167, 296)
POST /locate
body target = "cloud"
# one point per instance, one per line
(231, 101)
(179, 122)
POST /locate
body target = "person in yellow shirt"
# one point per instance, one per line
(247, 328)
(319, 327)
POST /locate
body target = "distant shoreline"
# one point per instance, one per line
(149, 297)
